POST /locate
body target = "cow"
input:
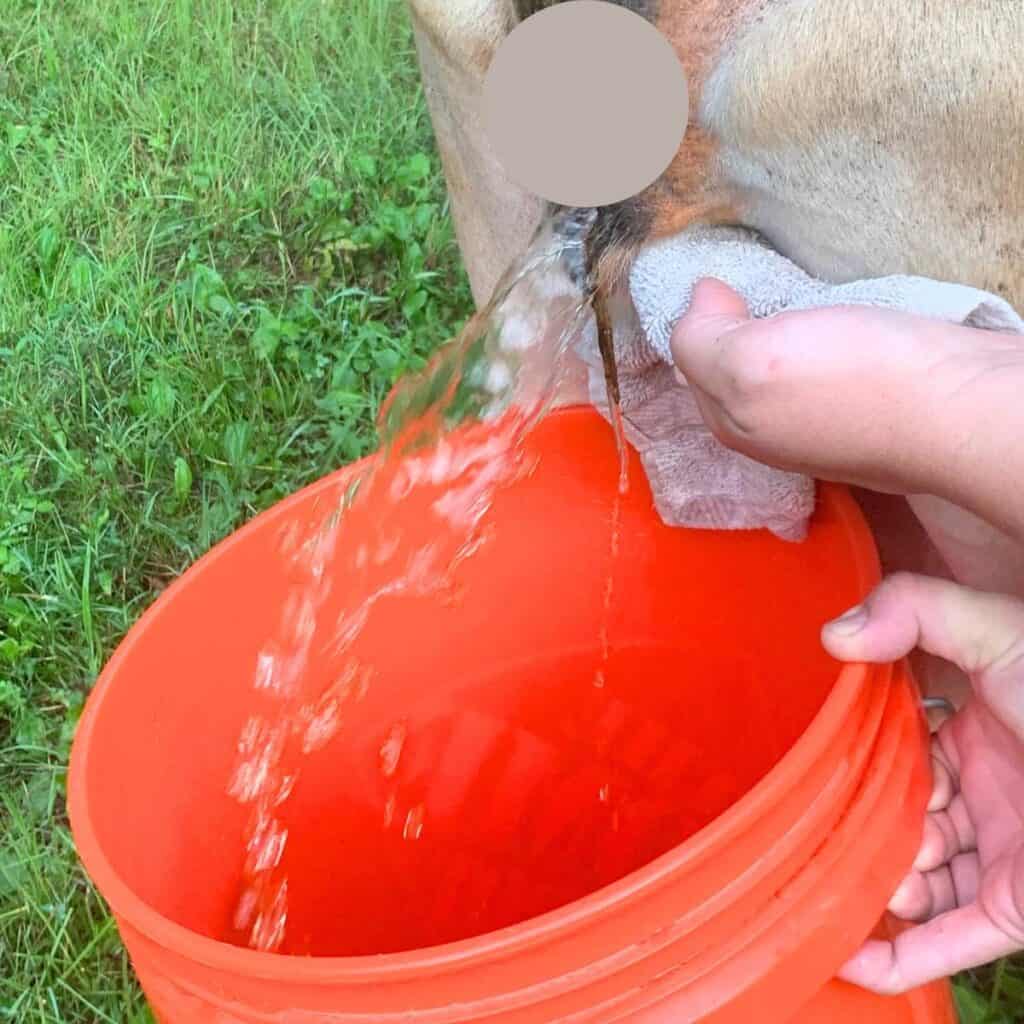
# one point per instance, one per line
(861, 138)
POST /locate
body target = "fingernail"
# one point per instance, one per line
(902, 896)
(680, 379)
(849, 623)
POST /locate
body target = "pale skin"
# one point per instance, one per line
(904, 406)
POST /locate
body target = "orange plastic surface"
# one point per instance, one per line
(707, 836)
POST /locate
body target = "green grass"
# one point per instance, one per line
(223, 234)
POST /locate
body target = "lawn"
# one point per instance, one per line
(223, 234)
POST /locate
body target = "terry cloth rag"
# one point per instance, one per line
(697, 481)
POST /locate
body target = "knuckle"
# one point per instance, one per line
(902, 581)
(892, 981)
(721, 428)
(891, 985)
(898, 587)
(725, 431)
(994, 645)
(1009, 658)
(1010, 662)
(752, 367)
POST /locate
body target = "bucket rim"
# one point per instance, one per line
(129, 909)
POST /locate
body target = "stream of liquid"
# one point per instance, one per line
(606, 346)
(503, 371)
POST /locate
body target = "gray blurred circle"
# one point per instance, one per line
(585, 103)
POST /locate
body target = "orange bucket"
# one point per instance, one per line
(705, 834)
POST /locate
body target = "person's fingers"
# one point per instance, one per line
(917, 898)
(988, 927)
(981, 633)
(717, 417)
(923, 895)
(943, 786)
(966, 871)
(715, 310)
(945, 776)
(947, 944)
(946, 833)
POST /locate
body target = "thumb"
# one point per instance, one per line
(981, 633)
(715, 310)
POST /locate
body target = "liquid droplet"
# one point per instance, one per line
(268, 931)
(414, 820)
(391, 751)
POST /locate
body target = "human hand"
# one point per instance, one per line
(871, 397)
(966, 888)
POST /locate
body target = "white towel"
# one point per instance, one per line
(696, 481)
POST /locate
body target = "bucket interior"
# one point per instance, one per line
(531, 771)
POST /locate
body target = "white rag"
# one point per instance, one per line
(696, 481)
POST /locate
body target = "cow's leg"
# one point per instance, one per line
(494, 217)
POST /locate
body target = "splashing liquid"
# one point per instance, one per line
(502, 371)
